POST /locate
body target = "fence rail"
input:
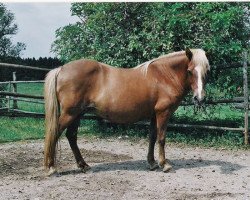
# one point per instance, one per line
(8, 65)
(13, 94)
(11, 82)
(208, 102)
(238, 102)
(25, 100)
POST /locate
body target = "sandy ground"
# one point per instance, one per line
(119, 171)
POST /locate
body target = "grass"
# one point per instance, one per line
(220, 115)
(14, 129)
(32, 89)
(190, 137)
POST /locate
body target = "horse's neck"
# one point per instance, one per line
(176, 70)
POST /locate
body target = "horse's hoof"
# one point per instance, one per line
(153, 166)
(85, 168)
(52, 172)
(166, 168)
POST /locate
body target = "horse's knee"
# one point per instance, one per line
(161, 142)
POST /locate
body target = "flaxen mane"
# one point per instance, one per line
(199, 59)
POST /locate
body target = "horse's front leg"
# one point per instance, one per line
(161, 124)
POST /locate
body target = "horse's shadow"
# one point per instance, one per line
(141, 165)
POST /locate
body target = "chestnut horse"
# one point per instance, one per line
(152, 90)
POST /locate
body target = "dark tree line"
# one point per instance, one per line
(24, 74)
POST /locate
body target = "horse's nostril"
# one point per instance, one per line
(195, 98)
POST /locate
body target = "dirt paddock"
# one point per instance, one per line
(119, 171)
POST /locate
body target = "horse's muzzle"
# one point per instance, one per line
(197, 101)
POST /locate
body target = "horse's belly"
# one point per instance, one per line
(122, 117)
(121, 103)
(124, 114)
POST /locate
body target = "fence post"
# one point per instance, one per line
(9, 96)
(246, 109)
(14, 90)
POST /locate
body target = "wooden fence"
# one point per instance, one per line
(239, 102)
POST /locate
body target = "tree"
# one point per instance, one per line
(8, 28)
(126, 34)
(8, 50)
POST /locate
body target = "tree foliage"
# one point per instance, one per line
(8, 28)
(126, 34)
(7, 48)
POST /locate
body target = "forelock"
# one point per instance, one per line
(200, 60)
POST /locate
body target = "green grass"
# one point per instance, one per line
(190, 137)
(32, 89)
(219, 115)
(13, 129)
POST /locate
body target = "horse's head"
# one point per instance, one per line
(198, 67)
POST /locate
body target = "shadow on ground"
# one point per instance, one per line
(141, 165)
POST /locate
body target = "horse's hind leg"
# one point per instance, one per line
(65, 120)
(71, 134)
(152, 139)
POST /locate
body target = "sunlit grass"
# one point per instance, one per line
(14, 129)
(31, 89)
(220, 115)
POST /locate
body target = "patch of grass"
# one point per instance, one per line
(216, 114)
(203, 138)
(32, 89)
(14, 129)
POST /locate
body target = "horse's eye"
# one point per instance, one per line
(189, 72)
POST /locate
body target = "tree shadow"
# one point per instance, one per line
(225, 167)
(141, 165)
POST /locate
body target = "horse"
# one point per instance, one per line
(152, 90)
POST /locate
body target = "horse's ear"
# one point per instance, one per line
(208, 53)
(189, 53)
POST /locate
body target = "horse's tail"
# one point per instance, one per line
(51, 117)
